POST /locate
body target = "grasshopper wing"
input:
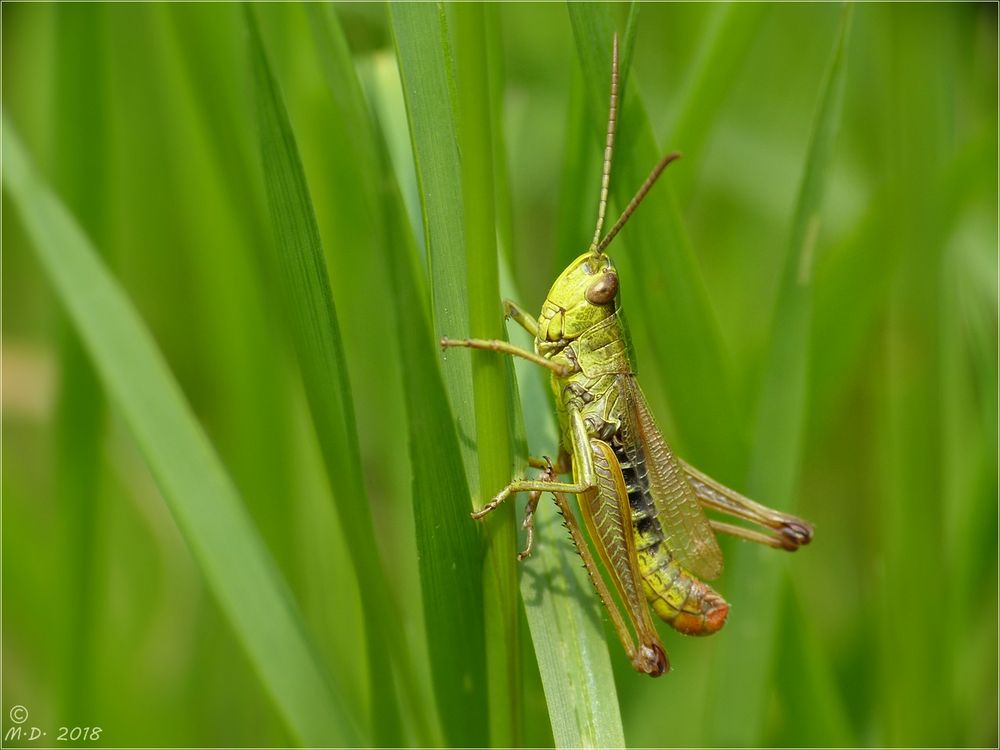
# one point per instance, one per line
(686, 529)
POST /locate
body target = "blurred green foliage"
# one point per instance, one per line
(142, 118)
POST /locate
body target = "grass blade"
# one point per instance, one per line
(579, 158)
(489, 374)
(562, 608)
(666, 286)
(450, 550)
(462, 255)
(447, 541)
(424, 69)
(913, 399)
(301, 271)
(80, 426)
(739, 694)
(200, 494)
(732, 32)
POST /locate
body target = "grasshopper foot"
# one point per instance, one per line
(798, 530)
(529, 525)
(547, 475)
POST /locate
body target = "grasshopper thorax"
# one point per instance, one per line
(585, 294)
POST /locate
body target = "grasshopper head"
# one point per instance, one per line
(584, 295)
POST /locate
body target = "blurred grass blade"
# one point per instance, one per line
(501, 177)
(723, 50)
(301, 273)
(780, 419)
(857, 268)
(813, 704)
(489, 375)
(200, 494)
(628, 43)
(912, 400)
(81, 179)
(447, 541)
(739, 694)
(420, 38)
(579, 157)
(666, 289)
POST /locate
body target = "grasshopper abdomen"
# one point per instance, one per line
(680, 599)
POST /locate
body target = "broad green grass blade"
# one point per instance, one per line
(200, 494)
(562, 608)
(489, 374)
(447, 541)
(425, 71)
(450, 550)
(666, 289)
(301, 272)
(738, 695)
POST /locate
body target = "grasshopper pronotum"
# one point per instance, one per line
(641, 504)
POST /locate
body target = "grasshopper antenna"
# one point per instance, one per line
(609, 145)
(634, 203)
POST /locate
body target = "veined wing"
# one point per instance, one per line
(686, 530)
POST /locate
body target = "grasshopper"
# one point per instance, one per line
(643, 507)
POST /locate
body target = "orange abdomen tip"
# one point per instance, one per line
(716, 617)
(710, 620)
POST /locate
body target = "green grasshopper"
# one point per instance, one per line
(642, 505)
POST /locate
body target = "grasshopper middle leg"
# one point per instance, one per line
(513, 311)
(583, 471)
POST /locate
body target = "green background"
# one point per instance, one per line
(845, 302)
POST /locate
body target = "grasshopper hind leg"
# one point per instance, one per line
(778, 530)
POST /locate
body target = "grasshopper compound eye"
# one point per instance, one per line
(602, 291)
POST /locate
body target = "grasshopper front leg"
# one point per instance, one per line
(505, 347)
